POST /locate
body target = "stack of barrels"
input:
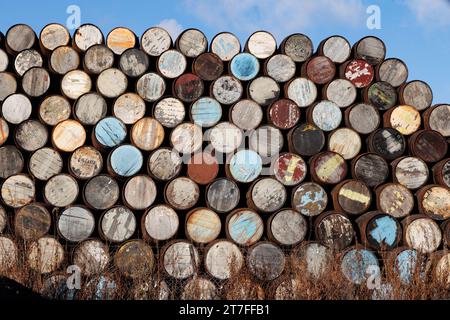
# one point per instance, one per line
(162, 163)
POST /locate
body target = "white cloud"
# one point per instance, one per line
(431, 12)
(172, 26)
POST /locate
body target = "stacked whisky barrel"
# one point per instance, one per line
(162, 163)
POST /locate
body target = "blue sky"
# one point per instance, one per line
(416, 31)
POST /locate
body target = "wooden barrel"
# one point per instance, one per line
(411, 172)
(155, 40)
(76, 224)
(352, 197)
(363, 118)
(244, 66)
(225, 137)
(309, 198)
(370, 168)
(405, 264)
(90, 108)
(19, 37)
(75, 83)
(188, 87)
(244, 166)
(261, 44)
(147, 134)
(371, 49)
(186, 138)
(302, 91)
(266, 195)
(45, 163)
(246, 114)
(64, 59)
(164, 164)
(244, 226)
(134, 259)
(266, 261)
(266, 140)
(434, 119)
(395, 199)
(223, 259)
(263, 90)
(169, 111)
(326, 115)
(287, 227)
(101, 287)
(32, 222)
(245, 289)
(340, 91)
(9, 85)
(26, 60)
(55, 287)
(280, 67)
(86, 36)
(328, 168)
(117, 224)
(284, 114)
(286, 288)
(3, 220)
(316, 257)
(208, 66)
(417, 94)
(428, 145)
(182, 193)
(345, 142)
(85, 163)
(134, 62)
(440, 267)
(381, 95)
(61, 190)
(227, 90)
(151, 290)
(202, 167)
(36, 82)
(31, 135)
(4, 60)
(53, 36)
(355, 262)
(45, 255)
(109, 133)
(359, 72)
(421, 233)
(222, 195)
(289, 169)
(97, 59)
(336, 48)
(441, 173)
(434, 201)
(387, 143)
(334, 230)
(206, 112)
(4, 131)
(139, 192)
(226, 45)
(180, 259)
(111, 83)
(297, 46)
(171, 64)
(18, 191)
(16, 108)
(319, 70)
(192, 43)
(54, 109)
(9, 256)
(11, 160)
(68, 135)
(202, 225)
(101, 192)
(92, 256)
(199, 288)
(405, 119)
(379, 231)
(393, 71)
(129, 108)
(125, 161)
(306, 140)
(160, 223)
(121, 39)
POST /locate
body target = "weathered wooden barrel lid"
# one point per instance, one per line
(309, 198)
(61, 190)
(139, 192)
(441, 173)
(4, 60)
(97, 59)
(244, 226)
(45, 255)
(101, 192)
(264, 90)
(120, 39)
(371, 49)
(31, 135)
(289, 169)
(101, 287)
(109, 132)
(75, 83)
(208, 66)
(226, 45)
(85, 163)
(45, 163)
(336, 48)
(387, 143)
(32, 222)
(53, 36)
(64, 59)
(266, 195)
(334, 230)
(54, 109)
(86, 36)
(381, 95)
(188, 87)
(18, 191)
(246, 114)
(359, 72)
(171, 64)
(363, 118)
(340, 91)
(134, 62)
(68, 135)
(379, 231)
(19, 37)
(245, 166)
(405, 263)
(202, 225)
(352, 197)
(186, 138)
(266, 261)
(203, 167)
(36, 82)
(434, 201)
(326, 115)
(117, 224)
(370, 168)
(155, 40)
(9, 256)
(147, 134)
(169, 111)
(3, 220)
(227, 90)
(316, 256)
(302, 91)
(261, 44)
(151, 290)
(9, 85)
(111, 83)
(90, 108)
(199, 288)
(76, 224)
(306, 140)
(439, 265)
(182, 193)
(284, 114)
(297, 46)
(192, 43)
(428, 145)
(225, 137)
(222, 195)
(328, 168)
(223, 259)
(92, 256)
(164, 164)
(405, 119)
(411, 172)
(11, 160)
(180, 259)
(319, 70)
(206, 112)
(16, 108)
(26, 60)
(355, 263)
(160, 223)
(246, 288)
(393, 71)
(436, 118)
(135, 259)
(266, 140)
(421, 233)
(4, 131)
(345, 142)
(287, 227)
(125, 161)
(280, 67)
(417, 94)
(244, 66)
(286, 288)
